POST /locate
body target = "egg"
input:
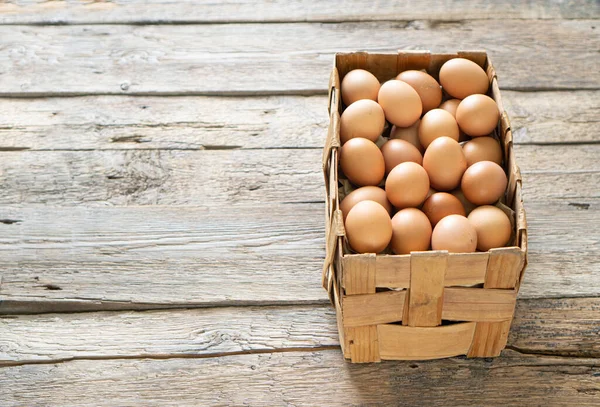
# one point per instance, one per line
(362, 162)
(440, 205)
(368, 227)
(482, 149)
(363, 118)
(407, 185)
(492, 226)
(368, 193)
(477, 115)
(410, 134)
(461, 77)
(398, 151)
(359, 84)
(483, 182)
(469, 206)
(455, 234)
(445, 163)
(428, 88)
(400, 102)
(450, 106)
(437, 123)
(411, 231)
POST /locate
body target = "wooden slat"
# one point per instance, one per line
(359, 274)
(504, 267)
(373, 309)
(410, 343)
(258, 122)
(549, 326)
(489, 339)
(162, 11)
(466, 269)
(217, 58)
(363, 343)
(426, 293)
(393, 271)
(476, 304)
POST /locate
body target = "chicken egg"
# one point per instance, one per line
(477, 115)
(362, 162)
(368, 227)
(450, 106)
(440, 205)
(445, 163)
(398, 151)
(407, 185)
(368, 193)
(428, 88)
(483, 183)
(400, 102)
(461, 77)
(363, 118)
(492, 226)
(359, 84)
(482, 149)
(411, 231)
(455, 234)
(469, 206)
(410, 134)
(437, 123)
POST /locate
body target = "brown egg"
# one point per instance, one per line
(398, 151)
(437, 123)
(407, 185)
(368, 193)
(359, 84)
(411, 231)
(431, 192)
(461, 77)
(400, 102)
(410, 134)
(450, 106)
(368, 227)
(428, 89)
(482, 149)
(440, 205)
(363, 118)
(477, 115)
(483, 183)
(492, 226)
(455, 234)
(445, 163)
(469, 206)
(362, 162)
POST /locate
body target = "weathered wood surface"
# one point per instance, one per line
(182, 123)
(305, 379)
(557, 327)
(207, 11)
(237, 58)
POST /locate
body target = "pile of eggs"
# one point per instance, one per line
(439, 174)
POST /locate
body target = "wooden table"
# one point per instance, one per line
(161, 202)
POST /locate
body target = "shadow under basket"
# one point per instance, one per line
(425, 305)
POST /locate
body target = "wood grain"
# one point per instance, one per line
(303, 379)
(541, 326)
(146, 122)
(162, 11)
(265, 58)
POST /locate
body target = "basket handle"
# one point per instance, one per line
(334, 230)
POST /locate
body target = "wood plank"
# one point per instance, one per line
(546, 326)
(123, 122)
(303, 378)
(196, 177)
(476, 304)
(373, 309)
(426, 292)
(234, 58)
(94, 258)
(206, 11)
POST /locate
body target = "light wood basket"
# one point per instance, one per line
(425, 305)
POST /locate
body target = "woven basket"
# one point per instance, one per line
(425, 305)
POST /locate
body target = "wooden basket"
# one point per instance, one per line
(425, 305)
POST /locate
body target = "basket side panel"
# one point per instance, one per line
(393, 271)
(363, 343)
(359, 274)
(372, 309)
(476, 304)
(466, 269)
(489, 339)
(427, 271)
(504, 267)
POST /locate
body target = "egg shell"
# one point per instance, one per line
(362, 162)
(437, 123)
(400, 102)
(445, 163)
(427, 87)
(482, 149)
(398, 151)
(492, 226)
(455, 234)
(440, 205)
(484, 182)
(461, 77)
(407, 185)
(410, 134)
(477, 115)
(363, 118)
(359, 84)
(469, 206)
(450, 106)
(368, 227)
(411, 231)
(368, 193)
